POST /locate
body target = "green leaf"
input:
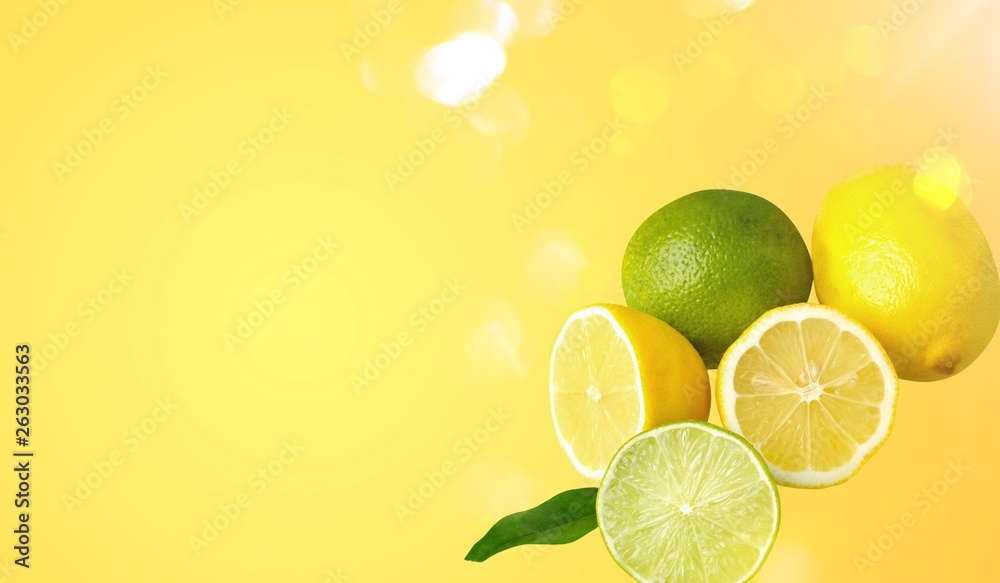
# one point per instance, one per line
(560, 520)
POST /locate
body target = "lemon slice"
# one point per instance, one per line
(812, 390)
(614, 372)
(688, 502)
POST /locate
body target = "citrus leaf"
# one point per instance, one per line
(562, 519)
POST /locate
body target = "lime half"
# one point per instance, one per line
(686, 502)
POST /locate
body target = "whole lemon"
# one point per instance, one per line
(901, 253)
(710, 263)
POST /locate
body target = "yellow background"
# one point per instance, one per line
(339, 462)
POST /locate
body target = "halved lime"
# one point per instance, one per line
(688, 502)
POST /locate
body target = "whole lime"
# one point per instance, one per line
(712, 262)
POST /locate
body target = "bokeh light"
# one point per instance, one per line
(387, 68)
(941, 179)
(488, 17)
(535, 17)
(552, 271)
(492, 347)
(460, 70)
(497, 488)
(503, 113)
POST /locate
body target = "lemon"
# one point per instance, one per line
(614, 372)
(712, 262)
(898, 251)
(688, 502)
(812, 390)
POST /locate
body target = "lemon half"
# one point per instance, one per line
(614, 372)
(812, 390)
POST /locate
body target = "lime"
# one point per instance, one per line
(812, 390)
(711, 262)
(686, 502)
(615, 372)
(898, 250)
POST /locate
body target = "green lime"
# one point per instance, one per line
(688, 501)
(712, 262)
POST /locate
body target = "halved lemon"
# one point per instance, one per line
(614, 372)
(688, 502)
(812, 390)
